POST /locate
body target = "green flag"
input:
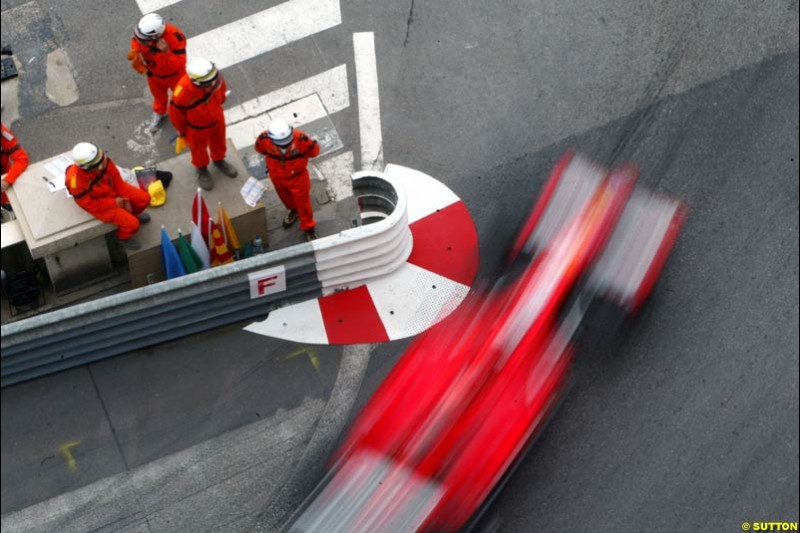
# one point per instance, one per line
(191, 261)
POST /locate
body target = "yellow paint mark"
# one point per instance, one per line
(311, 357)
(65, 450)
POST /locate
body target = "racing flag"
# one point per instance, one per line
(200, 247)
(224, 223)
(189, 257)
(220, 254)
(172, 261)
(200, 214)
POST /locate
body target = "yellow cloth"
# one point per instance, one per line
(158, 195)
(180, 144)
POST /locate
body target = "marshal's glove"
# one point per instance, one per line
(137, 62)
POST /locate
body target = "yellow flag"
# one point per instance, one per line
(230, 234)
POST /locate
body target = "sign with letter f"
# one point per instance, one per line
(267, 281)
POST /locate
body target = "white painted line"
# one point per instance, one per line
(148, 6)
(247, 120)
(267, 30)
(369, 107)
(310, 115)
(301, 322)
(337, 172)
(243, 134)
(408, 303)
(427, 193)
(330, 86)
(300, 111)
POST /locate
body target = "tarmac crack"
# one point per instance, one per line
(408, 23)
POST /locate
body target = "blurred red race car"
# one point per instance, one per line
(463, 402)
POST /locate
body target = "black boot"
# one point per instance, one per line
(204, 178)
(289, 219)
(226, 168)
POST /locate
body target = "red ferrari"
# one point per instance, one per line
(462, 403)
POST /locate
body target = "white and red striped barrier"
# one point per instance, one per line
(429, 285)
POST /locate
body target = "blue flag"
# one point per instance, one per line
(172, 261)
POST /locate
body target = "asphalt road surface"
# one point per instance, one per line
(687, 421)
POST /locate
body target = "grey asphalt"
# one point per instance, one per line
(688, 421)
(132, 410)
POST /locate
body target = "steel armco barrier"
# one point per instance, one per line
(165, 311)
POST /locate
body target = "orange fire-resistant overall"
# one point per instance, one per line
(96, 191)
(288, 171)
(14, 159)
(164, 69)
(196, 112)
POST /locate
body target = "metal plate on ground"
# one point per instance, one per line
(8, 70)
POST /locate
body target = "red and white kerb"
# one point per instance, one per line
(436, 277)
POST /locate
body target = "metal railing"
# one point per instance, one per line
(197, 302)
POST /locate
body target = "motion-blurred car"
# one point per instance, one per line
(462, 403)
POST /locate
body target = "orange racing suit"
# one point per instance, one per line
(288, 171)
(14, 159)
(164, 69)
(96, 191)
(196, 112)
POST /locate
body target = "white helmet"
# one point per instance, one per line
(86, 155)
(280, 132)
(201, 71)
(150, 27)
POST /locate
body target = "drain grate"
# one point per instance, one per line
(9, 69)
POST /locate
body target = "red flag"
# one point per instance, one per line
(200, 214)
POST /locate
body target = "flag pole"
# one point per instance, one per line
(221, 221)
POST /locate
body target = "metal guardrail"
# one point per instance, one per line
(171, 309)
(372, 250)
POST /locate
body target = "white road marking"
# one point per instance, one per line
(247, 120)
(300, 111)
(148, 6)
(408, 303)
(267, 30)
(310, 115)
(330, 86)
(369, 108)
(337, 172)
